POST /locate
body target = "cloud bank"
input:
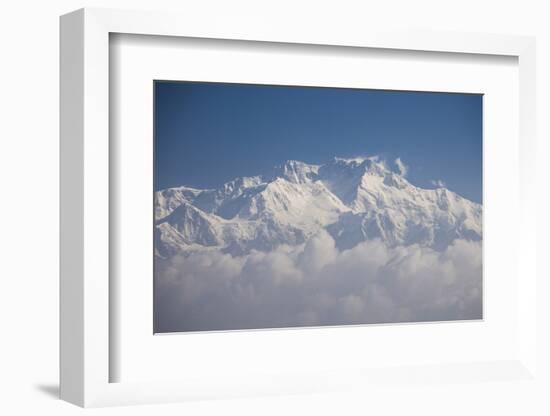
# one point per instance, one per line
(316, 284)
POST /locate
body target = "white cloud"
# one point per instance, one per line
(401, 167)
(315, 284)
(438, 183)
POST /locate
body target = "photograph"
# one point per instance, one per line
(282, 206)
(261, 208)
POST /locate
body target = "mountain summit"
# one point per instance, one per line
(354, 200)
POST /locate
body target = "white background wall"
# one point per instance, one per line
(29, 206)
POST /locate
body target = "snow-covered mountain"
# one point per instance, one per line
(352, 199)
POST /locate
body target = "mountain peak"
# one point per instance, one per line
(296, 171)
(372, 165)
(351, 160)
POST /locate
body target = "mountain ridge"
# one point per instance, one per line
(354, 200)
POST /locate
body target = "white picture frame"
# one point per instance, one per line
(85, 216)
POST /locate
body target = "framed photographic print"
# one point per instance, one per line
(270, 211)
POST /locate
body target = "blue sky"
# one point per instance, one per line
(209, 133)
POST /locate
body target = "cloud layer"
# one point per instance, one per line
(316, 284)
